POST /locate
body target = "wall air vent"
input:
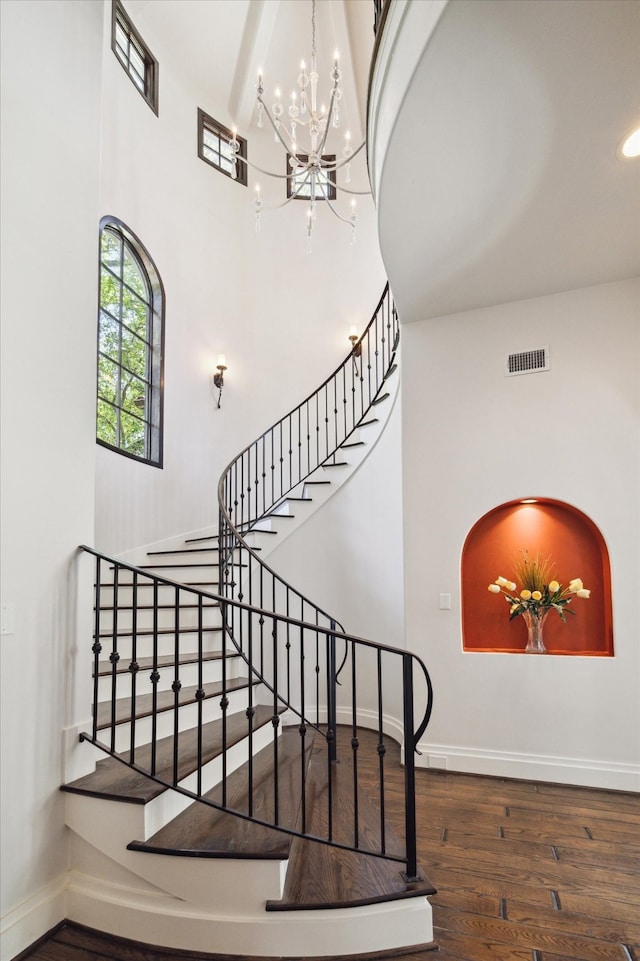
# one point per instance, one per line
(527, 362)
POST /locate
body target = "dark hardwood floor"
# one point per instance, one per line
(524, 872)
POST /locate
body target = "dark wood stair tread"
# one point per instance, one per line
(320, 876)
(206, 832)
(165, 701)
(115, 780)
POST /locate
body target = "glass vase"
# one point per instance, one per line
(535, 622)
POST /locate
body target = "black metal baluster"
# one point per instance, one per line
(288, 644)
(134, 667)
(224, 701)
(200, 694)
(344, 400)
(299, 442)
(369, 364)
(96, 647)
(355, 744)
(381, 749)
(275, 721)
(335, 412)
(326, 422)
(409, 772)
(177, 684)
(250, 715)
(317, 460)
(281, 464)
(302, 731)
(114, 657)
(154, 677)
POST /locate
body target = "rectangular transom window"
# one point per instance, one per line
(214, 147)
(134, 55)
(299, 184)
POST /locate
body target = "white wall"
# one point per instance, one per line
(474, 439)
(280, 316)
(51, 55)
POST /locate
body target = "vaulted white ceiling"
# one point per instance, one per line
(221, 44)
(501, 180)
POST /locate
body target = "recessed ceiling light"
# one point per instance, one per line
(630, 145)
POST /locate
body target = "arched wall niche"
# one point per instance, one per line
(576, 548)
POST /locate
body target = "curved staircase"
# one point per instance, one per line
(239, 805)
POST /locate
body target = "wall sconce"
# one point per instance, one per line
(218, 379)
(356, 346)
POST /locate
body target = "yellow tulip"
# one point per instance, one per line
(525, 595)
(494, 588)
(553, 587)
(536, 596)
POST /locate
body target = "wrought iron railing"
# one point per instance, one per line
(165, 731)
(281, 660)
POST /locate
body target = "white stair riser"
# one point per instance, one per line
(187, 617)
(189, 641)
(204, 883)
(145, 593)
(187, 674)
(187, 718)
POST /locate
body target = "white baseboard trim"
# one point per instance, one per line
(558, 770)
(21, 926)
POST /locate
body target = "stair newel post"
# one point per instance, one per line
(96, 648)
(176, 684)
(155, 677)
(332, 694)
(133, 667)
(411, 873)
(114, 657)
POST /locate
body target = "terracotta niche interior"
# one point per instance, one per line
(577, 549)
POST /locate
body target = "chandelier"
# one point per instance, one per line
(303, 133)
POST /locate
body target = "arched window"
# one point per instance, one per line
(130, 346)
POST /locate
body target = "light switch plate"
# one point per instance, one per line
(444, 602)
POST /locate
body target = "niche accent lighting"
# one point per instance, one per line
(218, 378)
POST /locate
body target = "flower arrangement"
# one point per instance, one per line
(539, 592)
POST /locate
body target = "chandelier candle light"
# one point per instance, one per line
(312, 173)
(539, 595)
